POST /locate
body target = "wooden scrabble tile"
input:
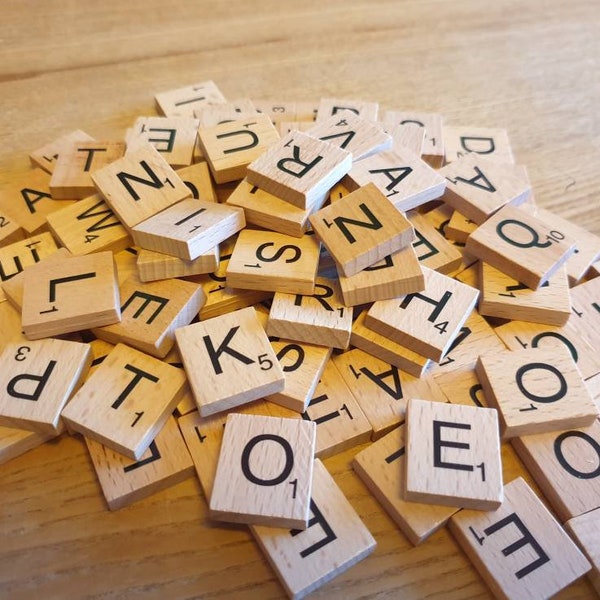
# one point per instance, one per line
(536, 390)
(182, 102)
(565, 464)
(300, 169)
(250, 369)
(274, 262)
(492, 143)
(265, 210)
(70, 295)
(71, 177)
(10, 230)
(585, 529)
(124, 481)
(151, 312)
(504, 297)
(11, 326)
(302, 365)
(139, 185)
(361, 229)
(320, 318)
(278, 110)
(382, 468)
(359, 136)
(433, 250)
(220, 298)
(126, 401)
(428, 321)
(334, 540)
(285, 127)
(387, 349)
(153, 266)
(519, 334)
(478, 186)
(189, 228)
(341, 423)
(215, 114)
(100, 350)
(173, 137)
(585, 302)
(14, 442)
(88, 226)
(231, 146)
(381, 389)
(520, 550)
(397, 274)
(520, 245)
(453, 455)
(38, 379)
(197, 178)
(125, 261)
(409, 136)
(405, 179)
(340, 107)
(28, 200)
(462, 386)
(46, 156)
(431, 123)
(460, 228)
(264, 473)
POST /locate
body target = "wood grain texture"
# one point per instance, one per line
(533, 72)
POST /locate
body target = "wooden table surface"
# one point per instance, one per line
(530, 67)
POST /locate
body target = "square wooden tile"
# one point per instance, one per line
(46, 156)
(184, 101)
(485, 141)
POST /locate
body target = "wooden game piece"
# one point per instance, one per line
(340, 107)
(341, 423)
(231, 146)
(478, 186)
(462, 386)
(492, 143)
(409, 136)
(265, 210)
(125, 262)
(585, 529)
(519, 334)
(334, 540)
(320, 318)
(359, 136)
(433, 250)
(153, 266)
(594, 270)
(278, 110)
(173, 137)
(520, 245)
(361, 229)
(126, 401)
(10, 332)
(387, 349)
(197, 178)
(520, 550)
(536, 390)
(14, 442)
(302, 366)
(381, 389)
(150, 314)
(504, 297)
(124, 481)
(139, 185)
(566, 466)
(38, 379)
(286, 127)
(215, 114)
(585, 302)
(46, 156)
(406, 180)
(28, 200)
(430, 123)
(89, 226)
(300, 169)
(220, 298)
(229, 361)
(397, 274)
(264, 473)
(70, 295)
(71, 177)
(182, 102)
(189, 228)
(382, 468)
(469, 276)
(13, 288)
(460, 228)
(453, 455)
(10, 230)
(428, 321)
(274, 262)
(100, 350)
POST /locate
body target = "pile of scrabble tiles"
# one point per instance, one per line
(314, 279)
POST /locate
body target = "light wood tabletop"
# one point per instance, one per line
(531, 68)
